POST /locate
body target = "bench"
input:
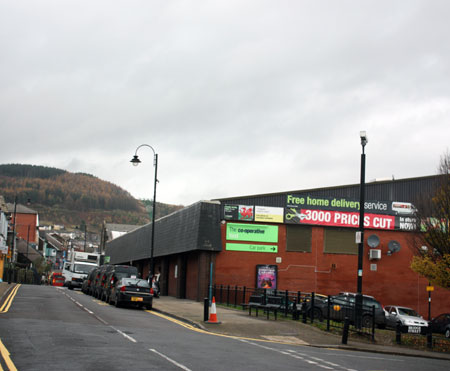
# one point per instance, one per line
(255, 301)
(274, 304)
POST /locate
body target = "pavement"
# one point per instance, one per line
(238, 323)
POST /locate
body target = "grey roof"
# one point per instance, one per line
(29, 251)
(196, 227)
(20, 209)
(121, 227)
(402, 190)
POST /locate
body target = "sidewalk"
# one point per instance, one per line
(238, 323)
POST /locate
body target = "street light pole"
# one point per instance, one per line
(135, 161)
(359, 297)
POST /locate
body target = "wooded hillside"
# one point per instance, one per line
(67, 198)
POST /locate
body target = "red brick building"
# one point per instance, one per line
(297, 241)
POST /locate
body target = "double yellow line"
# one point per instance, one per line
(5, 307)
(3, 351)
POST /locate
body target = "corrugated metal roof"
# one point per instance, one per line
(196, 227)
(402, 190)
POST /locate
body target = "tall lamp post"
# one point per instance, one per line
(360, 233)
(135, 161)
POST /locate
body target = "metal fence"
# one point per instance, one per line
(21, 275)
(297, 306)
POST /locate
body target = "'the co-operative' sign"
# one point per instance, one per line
(252, 232)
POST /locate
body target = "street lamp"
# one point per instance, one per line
(135, 161)
(360, 233)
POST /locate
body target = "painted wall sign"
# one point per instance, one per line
(251, 248)
(269, 214)
(252, 232)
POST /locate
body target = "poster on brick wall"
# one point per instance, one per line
(266, 276)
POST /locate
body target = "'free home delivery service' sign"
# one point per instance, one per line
(252, 232)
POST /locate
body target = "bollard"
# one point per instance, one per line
(294, 310)
(304, 310)
(205, 309)
(398, 333)
(429, 338)
(345, 332)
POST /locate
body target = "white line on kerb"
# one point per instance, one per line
(170, 360)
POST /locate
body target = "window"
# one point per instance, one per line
(340, 241)
(298, 238)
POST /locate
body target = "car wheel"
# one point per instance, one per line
(149, 306)
(70, 287)
(117, 303)
(447, 333)
(317, 314)
(367, 321)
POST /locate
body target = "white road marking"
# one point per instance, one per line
(124, 335)
(170, 360)
(319, 362)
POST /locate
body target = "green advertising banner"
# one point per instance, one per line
(251, 248)
(252, 232)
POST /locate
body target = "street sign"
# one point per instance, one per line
(430, 288)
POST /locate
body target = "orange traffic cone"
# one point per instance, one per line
(213, 314)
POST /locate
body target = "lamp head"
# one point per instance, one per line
(364, 139)
(135, 160)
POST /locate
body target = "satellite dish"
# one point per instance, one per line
(373, 241)
(393, 246)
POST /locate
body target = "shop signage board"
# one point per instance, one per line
(238, 212)
(251, 248)
(342, 212)
(252, 232)
(328, 211)
(269, 214)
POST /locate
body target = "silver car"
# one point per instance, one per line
(406, 317)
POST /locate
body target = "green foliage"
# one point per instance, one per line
(432, 240)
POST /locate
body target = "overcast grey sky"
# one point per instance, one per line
(237, 97)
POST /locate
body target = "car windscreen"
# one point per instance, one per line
(135, 282)
(83, 268)
(407, 312)
(126, 269)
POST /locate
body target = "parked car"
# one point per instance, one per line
(100, 280)
(87, 285)
(132, 292)
(57, 279)
(441, 324)
(115, 274)
(343, 305)
(405, 317)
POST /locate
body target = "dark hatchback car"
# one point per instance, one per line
(115, 274)
(100, 280)
(343, 305)
(131, 292)
(86, 287)
(441, 324)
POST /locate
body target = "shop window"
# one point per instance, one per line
(340, 241)
(298, 238)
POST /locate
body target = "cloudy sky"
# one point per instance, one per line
(236, 97)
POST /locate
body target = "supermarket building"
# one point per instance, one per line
(297, 241)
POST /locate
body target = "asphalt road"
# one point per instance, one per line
(54, 328)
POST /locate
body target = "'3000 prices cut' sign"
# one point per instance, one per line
(344, 219)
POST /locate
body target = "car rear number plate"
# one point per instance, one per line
(136, 298)
(414, 329)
